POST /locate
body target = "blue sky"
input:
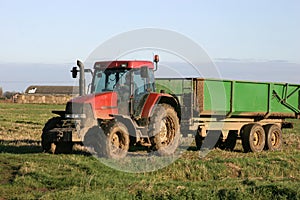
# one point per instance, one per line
(60, 32)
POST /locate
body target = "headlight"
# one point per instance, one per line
(75, 116)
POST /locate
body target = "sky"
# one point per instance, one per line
(41, 40)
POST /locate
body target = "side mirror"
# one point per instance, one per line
(144, 72)
(74, 72)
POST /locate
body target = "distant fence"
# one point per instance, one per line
(42, 98)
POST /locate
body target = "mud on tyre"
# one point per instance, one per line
(94, 141)
(253, 138)
(273, 137)
(47, 143)
(164, 130)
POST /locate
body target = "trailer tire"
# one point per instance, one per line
(117, 140)
(164, 130)
(230, 141)
(198, 140)
(48, 145)
(253, 138)
(273, 137)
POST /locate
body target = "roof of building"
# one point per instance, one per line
(43, 89)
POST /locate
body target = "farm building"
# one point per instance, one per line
(40, 89)
(47, 94)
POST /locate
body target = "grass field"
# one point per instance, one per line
(27, 173)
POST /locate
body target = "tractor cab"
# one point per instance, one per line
(131, 80)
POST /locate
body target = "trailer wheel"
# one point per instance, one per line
(164, 130)
(198, 140)
(47, 143)
(230, 141)
(273, 137)
(117, 140)
(253, 138)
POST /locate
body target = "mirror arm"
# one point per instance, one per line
(90, 71)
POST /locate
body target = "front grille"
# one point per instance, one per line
(80, 108)
(74, 108)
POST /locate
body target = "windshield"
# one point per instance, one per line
(112, 79)
(107, 80)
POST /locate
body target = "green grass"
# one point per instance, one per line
(26, 173)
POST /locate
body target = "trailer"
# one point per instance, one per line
(228, 110)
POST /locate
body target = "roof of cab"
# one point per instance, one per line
(123, 64)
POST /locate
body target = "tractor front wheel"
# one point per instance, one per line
(117, 140)
(47, 141)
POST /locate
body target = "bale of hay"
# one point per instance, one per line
(43, 99)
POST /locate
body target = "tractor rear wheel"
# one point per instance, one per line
(164, 130)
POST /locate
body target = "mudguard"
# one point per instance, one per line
(155, 98)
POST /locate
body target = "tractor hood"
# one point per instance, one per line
(103, 104)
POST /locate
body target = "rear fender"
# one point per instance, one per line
(157, 98)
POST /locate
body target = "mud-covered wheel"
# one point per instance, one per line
(94, 141)
(273, 137)
(164, 130)
(64, 147)
(117, 141)
(47, 140)
(253, 138)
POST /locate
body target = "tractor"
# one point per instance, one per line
(122, 111)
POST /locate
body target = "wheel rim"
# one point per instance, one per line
(167, 131)
(257, 138)
(163, 134)
(274, 138)
(117, 142)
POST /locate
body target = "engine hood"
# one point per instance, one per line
(103, 104)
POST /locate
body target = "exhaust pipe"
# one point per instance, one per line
(81, 78)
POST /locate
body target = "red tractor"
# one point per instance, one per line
(122, 111)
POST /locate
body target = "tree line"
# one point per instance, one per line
(6, 94)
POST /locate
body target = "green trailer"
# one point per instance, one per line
(254, 112)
